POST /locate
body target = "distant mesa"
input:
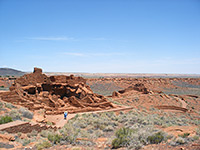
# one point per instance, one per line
(10, 72)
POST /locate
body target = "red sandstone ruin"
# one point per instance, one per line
(137, 87)
(54, 94)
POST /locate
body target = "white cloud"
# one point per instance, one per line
(51, 38)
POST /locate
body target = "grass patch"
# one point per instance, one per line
(5, 119)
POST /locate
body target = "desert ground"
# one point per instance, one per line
(105, 111)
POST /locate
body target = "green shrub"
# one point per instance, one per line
(122, 137)
(5, 119)
(156, 138)
(43, 144)
(54, 138)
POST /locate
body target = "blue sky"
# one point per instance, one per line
(107, 36)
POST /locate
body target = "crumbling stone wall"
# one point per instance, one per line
(55, 94)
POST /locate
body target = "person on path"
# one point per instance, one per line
(65, 115)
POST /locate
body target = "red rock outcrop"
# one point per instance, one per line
(55, 94)
(141, 88)
(138, 87)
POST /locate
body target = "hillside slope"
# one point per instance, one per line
(10, 72)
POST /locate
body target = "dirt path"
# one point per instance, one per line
(60, 122)
(59, 119)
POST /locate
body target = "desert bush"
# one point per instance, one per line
(32, 134)
(85, 143)
(1, 105)
(180, 140)
(15, 115)
(108, 128)
(84, 134)
(196, 137)
(69, 132)
(83, 124)
(26, 113)
(44, 133)
(9, 105)
(6, 146)
(43, 144)
(198, 130)
(25, 141)
(5, 119)
(98, 133)
(54, 138)
(156, 138)
(122, 137)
